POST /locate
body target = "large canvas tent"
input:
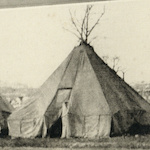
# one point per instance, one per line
(86, 97)
(5, 110)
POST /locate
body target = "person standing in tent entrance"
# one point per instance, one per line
(65, 121)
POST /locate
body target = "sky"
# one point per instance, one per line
(33, 42)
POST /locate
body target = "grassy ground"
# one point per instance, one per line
(132, 142)
(39, 148)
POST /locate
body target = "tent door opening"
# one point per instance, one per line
(61, 126)
(139, 129)
(56, 129)
(65, 96)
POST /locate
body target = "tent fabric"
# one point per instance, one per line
(5, 110)
(122, 99)
(35, 110)
(97, 126)
(5, 106)
(65, 121)
(100, 103)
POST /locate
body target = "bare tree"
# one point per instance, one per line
(105, 58)
(116, 66)
(82, 30)
(114, 63)
(123, 71)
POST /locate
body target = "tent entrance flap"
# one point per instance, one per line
(63, 97)
(59, 124)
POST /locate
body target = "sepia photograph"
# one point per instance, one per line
(75, 76)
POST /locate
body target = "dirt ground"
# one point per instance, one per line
(116, 143)
(34, 148)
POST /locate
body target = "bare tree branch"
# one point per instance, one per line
(73, 22)
(83, 23)
(72, 32)
(97, 22)
(115, 66)
(79, 23)
(92, 39)
(82, 30)
(123, 73)
(105, 58)
(87, 22)
(115, 62)
(118, 69)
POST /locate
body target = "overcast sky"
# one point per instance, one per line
(33, 42)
